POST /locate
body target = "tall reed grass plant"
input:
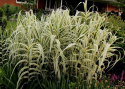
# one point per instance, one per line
(61, 44)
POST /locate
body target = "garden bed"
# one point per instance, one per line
(60, 52)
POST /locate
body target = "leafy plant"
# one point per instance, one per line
(28, 4)
(4, 23)
(10, 10)
(11, 25)
(5, 69)
(3, 20)
(61, 45)
(1, 15)
(38, 13)
(117, 26)
(1, 12)
(121, 4)
(5, 7)
(71, 83)
(5, 80)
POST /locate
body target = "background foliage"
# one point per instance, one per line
(3, 20)
(117, 26)
(10, 10)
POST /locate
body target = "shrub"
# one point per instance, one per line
(4, 23)
(117, 26)
(113, 13)
(1, 15)
(3, 20)
(30, 4)
(59, 45)
(38, 13)
(1, 12)
(123, 16)
(10, 10)
(5, 8)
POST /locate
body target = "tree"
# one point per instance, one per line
(121, 4)
(28, 4)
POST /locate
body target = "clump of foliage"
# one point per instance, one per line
(10, 10)
(1, 15)
(38, 13)
(28, 4)
(117, 26)
(72, 83)
(5, 69)
(1, 12)
(4, 23)
(121, 4)
(60, 45)
(3, 20)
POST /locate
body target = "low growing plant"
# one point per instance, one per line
(5, 70)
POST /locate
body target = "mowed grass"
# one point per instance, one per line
(11, 24)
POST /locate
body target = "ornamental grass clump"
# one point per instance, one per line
(61, 44)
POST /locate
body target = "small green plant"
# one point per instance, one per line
(5, 81)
